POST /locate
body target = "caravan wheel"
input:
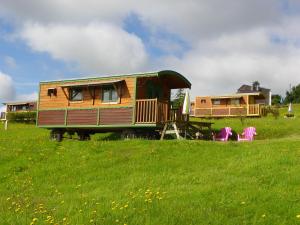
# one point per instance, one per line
(56, 135)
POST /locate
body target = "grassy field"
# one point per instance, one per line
(152, 182)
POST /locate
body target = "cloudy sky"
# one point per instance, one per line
(217, 44)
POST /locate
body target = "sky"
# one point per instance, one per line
(217, 44)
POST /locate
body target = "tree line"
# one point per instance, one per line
(293, 96)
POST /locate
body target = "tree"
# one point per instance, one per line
(276, 99)
(178, 98)
(255, 85)
(293, 95)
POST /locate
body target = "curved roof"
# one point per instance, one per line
(174, 79)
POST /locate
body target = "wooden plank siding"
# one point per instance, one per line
(116, 116)
(82, 117)
(127, 89)
(107, 116)
(52, 117)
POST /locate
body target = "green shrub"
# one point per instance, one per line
(28, 117)
(274, 110)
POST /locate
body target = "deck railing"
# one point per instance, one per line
(176, 115)
(228, 111)
(253, 110)
(151, 111)
(2, 115)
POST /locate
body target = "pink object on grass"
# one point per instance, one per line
(248, 134)
(223, 135)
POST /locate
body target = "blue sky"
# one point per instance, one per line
(247, 40)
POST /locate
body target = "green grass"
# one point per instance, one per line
(152, 182)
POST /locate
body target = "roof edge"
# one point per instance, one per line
(141, 74)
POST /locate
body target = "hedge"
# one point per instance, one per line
(21, 116)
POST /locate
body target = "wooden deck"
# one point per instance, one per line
(228, 111)
(150, 111)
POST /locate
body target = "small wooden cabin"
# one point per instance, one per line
(244, 104)
(14, 107)
(108, 103)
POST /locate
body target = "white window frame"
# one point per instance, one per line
(110, 101)
(71, 97)
(216, 101)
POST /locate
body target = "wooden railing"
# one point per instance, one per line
(176, 115)
(151, 111)
(254, 109)
(227, 111)
(2, 115)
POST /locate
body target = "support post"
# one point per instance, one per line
(247, 105)
(6, 125)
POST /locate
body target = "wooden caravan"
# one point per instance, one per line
(244, 104)
(108, 103)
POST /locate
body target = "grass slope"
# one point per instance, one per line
(152, 182)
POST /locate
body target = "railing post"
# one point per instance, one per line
(66, 117)
(156, 110)
(6, 124)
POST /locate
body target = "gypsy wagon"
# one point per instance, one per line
(126, 103)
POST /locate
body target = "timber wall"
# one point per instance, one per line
(86, 117)
(127, 89)
(59, 111)
(142, 88)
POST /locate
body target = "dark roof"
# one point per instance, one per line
(248, 89)
(20, 103)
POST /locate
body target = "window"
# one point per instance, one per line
(203, 101)
(234, 101)
(109, 94)
(216, 102)
(76, 94)
(52, 92)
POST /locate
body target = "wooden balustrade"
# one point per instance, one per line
(176, 115)
(2, 115)
(162, 111)
(151, 111)
(254, 109)
(227, 111)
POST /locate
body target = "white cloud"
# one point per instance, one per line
(10, 62)
(230, 42)
(221, 65)
(97, 47)
(191, 18)
(65, 11)
(7, 90)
